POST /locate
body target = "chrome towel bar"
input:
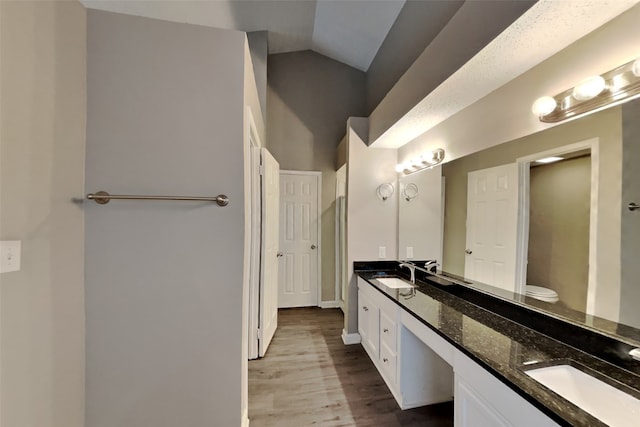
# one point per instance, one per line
(102, 197)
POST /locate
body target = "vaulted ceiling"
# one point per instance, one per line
(349, 31)
(353, 31)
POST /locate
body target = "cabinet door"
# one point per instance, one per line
(369, 324)
(472, 411)
(363, 316)
(483, 400)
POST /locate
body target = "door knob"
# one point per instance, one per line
(313, 246)
(633, 206)
(468, 251)
(279, 254)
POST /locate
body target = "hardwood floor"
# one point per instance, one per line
(309, 377)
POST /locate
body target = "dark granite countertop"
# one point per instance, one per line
(505, 347)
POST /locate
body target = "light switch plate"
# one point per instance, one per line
(10, 255)
(382, 252)
(409, 252)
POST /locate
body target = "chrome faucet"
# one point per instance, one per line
(432, 265)
(412, 269)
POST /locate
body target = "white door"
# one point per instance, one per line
(299, 244)
(268, 317)
(492, 226)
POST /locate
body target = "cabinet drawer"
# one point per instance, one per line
(389, 363)
(388, 331)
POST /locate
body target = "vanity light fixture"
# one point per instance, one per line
(425, 161)
(384, 191)
(592, 94)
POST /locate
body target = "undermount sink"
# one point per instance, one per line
(605, 402)
(395, 283)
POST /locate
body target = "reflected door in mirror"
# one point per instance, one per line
(492, 226)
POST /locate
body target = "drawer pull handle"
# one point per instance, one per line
(385, 360)
(365, 308)
(385, 330)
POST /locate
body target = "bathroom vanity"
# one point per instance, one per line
(438, 341)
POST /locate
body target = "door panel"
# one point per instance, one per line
(270, 242)
(299, 280)
(492, 221)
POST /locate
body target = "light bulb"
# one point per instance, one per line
(636, 68)
(589, 88)
(429, 158)
(400, 167)
(544, 105)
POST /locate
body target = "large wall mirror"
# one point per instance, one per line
(557, 235)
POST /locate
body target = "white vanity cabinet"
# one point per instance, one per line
(415, 375)
(421, 368)
(378, 331)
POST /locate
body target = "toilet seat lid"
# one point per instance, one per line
(540, 291)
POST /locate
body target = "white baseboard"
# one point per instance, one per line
(329, 304)
(350, 339)
(245, 418)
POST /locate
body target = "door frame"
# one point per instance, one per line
(341, 191)
(256, 238)
(522, 243)
(317, 174)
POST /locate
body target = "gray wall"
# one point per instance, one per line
(309, 99)
(558, 256)
(164, 280)
(418, 23)
(43, 102)
(630, 248)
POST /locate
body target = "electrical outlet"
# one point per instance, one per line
(409, 252)
(9, 256)
(382, 252)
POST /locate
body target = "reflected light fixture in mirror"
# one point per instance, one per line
(592, 94)
(549, 159)
(385, 191)
(425, 161)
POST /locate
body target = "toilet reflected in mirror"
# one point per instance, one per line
(542, 294)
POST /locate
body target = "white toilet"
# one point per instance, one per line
(542, 294)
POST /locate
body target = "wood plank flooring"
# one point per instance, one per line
(309, 377)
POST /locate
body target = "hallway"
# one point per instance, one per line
(309, 377)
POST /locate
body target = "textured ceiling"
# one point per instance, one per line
(546, 28)
(349, 31)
